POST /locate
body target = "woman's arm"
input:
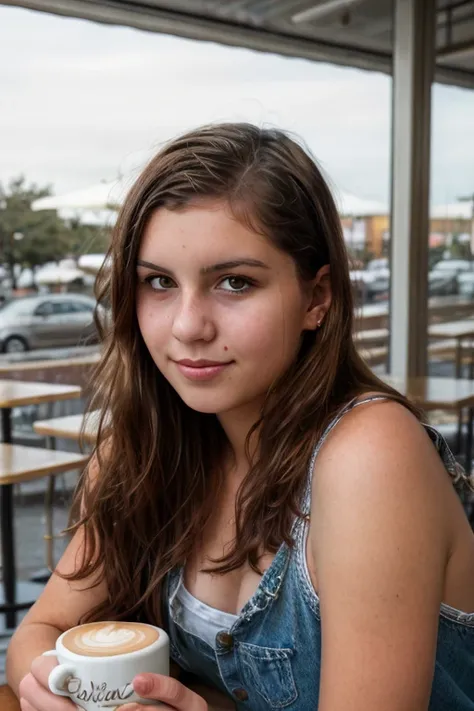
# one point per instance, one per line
(379, 542)
(59, 607)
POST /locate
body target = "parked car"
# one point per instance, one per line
(374, 284)
(50, 320)
(442, 284)
(466, 284)
(380, 268)
(453, 269)
(369, 286)
(453, 266)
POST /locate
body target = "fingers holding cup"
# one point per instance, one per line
(34, 692)
(171, 694)
(97, 662)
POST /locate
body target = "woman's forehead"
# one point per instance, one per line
(209, 232)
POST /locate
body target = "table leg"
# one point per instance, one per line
(42, 576)
(8, 543)
(8, 552)
(469, 441)
(7, 425)
(458, 449)
(458, 365)
(471, 359)
(458, 373)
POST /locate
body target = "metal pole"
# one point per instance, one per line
(413, 70)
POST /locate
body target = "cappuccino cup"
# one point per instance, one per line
(98, 661)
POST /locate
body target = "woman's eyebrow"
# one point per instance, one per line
(232, 264)
(221, 266)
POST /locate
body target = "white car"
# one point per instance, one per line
(50, 320)
(453, 266)
(466, 284)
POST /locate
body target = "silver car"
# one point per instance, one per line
(50, 320)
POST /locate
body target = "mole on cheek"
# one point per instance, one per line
(225, 348)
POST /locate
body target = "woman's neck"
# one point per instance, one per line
(236, 425)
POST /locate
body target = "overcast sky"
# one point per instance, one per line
(82, 102)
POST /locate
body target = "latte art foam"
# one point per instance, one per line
(107, 639)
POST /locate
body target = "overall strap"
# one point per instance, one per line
(355, 402)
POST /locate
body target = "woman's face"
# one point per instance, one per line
(219, 307)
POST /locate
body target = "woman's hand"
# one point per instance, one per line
(34, 691)
(172, 695)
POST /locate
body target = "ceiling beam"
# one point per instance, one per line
(457, 50)
(323, 9)
(151, 19)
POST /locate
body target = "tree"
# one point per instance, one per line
(86, 239)
(43, 233)
(45, 236)
(460, 250)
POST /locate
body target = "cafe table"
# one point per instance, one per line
(459, 331)
(72, 427)
(14, 393)
(18, 393)
(450, 394)
(8, 700)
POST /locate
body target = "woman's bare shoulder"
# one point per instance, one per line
(379, 542)
(380, 450)
(373, 421)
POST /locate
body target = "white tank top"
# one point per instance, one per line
(202, 620)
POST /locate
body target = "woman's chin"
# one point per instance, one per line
(213, 403)
(208, 405)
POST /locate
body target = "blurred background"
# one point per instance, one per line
(84, 104)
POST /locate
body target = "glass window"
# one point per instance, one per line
(81, 307)
(44, 309)
(64, 307)
(451, 239)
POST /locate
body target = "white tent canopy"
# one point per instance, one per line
(91, 263)
(58, 275)
(96, 200)
(102, 196)
(51, 275)
(454, 211)
(93, 205)
(352, 206)
(94, 218)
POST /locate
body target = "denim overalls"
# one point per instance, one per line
(270, 658)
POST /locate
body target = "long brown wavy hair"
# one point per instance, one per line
(159, 461)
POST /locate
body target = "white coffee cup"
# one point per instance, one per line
(107, 656)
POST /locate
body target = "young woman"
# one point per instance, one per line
(256, 490)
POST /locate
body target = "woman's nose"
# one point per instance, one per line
(192, 320)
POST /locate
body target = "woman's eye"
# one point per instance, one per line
(160, 283)
(237, 284)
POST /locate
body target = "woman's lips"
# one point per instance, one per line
(201, 372)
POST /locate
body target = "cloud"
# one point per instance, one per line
(80, 102)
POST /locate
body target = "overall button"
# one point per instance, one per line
(240, 694)
(225, 639)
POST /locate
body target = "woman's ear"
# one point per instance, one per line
(319, 299)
